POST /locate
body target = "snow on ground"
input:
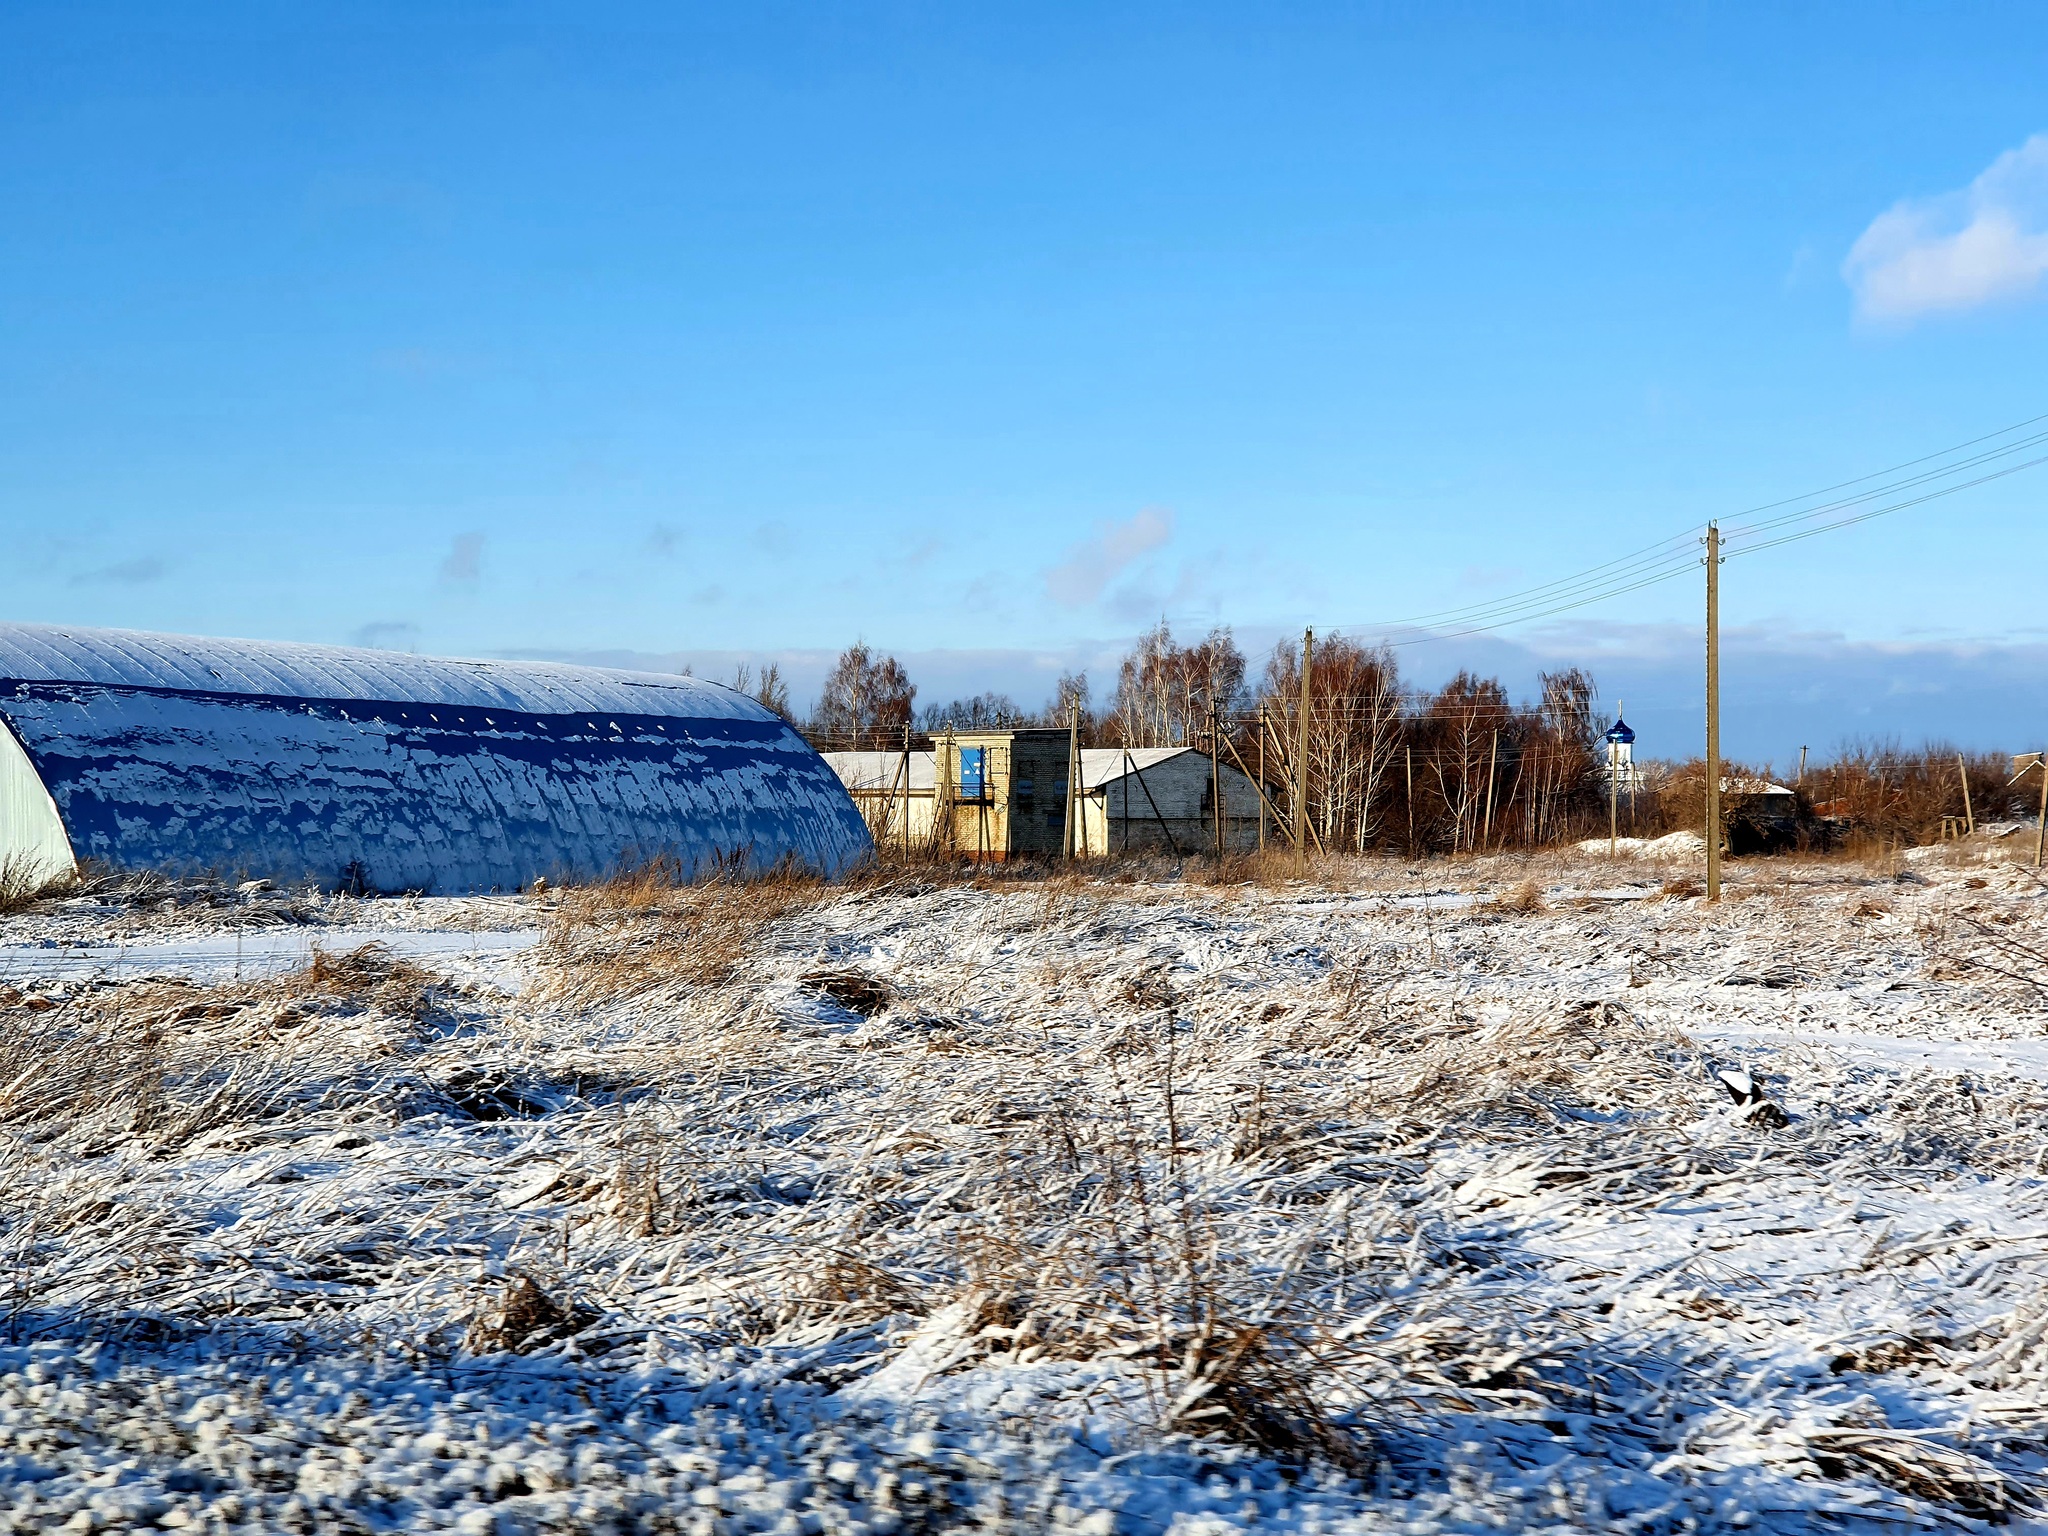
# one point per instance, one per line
(1417, 1200)
(1672, 845)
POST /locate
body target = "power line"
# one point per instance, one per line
(1662, 561)
(1940, 453)
(1864, 517)
(1675, 555)
(1891, 487)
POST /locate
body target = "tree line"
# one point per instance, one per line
(1459, 768)
(1392, 768)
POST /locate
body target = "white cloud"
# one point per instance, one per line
(1956, 251)
(465, 562)
(127, 572)
(1093, 564)
(388, 635)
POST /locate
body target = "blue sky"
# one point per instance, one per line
(992, 335)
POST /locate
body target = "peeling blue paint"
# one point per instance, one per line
(452, 776)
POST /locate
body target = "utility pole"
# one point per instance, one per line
(944, 790)
(2041, 826)
(1713, 712)
(1613, 801)
(1073, 770)
(1963, 773)
(1262, 778)
(1492, 762)
(1800, 782)
(1308, 647)
(1216, 772)
(906, 789)
(1409, 752)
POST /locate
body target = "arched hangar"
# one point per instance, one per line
(375, 770)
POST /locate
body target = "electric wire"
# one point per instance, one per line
(1660, 562)
(1736, 530)
(1939, 453)
(1864, 517)
(1673, 556)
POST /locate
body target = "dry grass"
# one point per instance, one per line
(522, 1317)
(25, 881)
(649, 929)
(1242, 1165)
(169, 1061)
(1523, 898)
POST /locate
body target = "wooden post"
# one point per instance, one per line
(1216, 772)
(1713, 712)
(1963, 773)
(1308, 646)
(2041, 827)
(1492, 762)
(1258, 785)
(1408, 750)
(1073, 772)
(1613, 803)
(1126, 783)
(1262, 779)
(906, 789)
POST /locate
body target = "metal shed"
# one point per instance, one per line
(387, 772)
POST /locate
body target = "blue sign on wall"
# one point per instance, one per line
(973, 772)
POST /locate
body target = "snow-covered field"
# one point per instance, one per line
(1419, 1199)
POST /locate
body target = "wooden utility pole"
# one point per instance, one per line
(1409, 751)
(1963, 773)
(1308, 647)
(943, 794)
(1613, 803)
(1492, 762)
(906, 789)
(2041, 826)
(1713, 712)
(1800, 782)
(1073, 774)
(1216, 773)
(1262, 778)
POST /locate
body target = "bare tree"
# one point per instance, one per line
(1164, 691)
(866, 700)
(771, 693)
(1355, 732)
(1071, 691)
(984, 712)
(1461, 728)
(1558, 757)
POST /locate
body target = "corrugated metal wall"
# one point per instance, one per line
(33, 847)
(458, 788)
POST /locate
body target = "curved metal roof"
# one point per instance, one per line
(126, 658)
(363, 768)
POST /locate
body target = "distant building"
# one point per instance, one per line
(1758, 816)
(1003, 794)
(369, 770)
